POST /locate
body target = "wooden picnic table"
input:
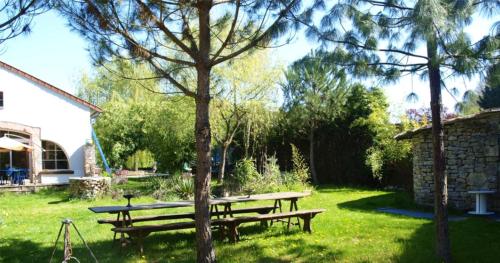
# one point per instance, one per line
(277, 197)
(124, 211)
(124, 221)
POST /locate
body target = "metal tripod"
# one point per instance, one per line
(68, 250)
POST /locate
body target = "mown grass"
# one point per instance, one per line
(350, 231)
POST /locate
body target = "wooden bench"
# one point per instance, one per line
(232, 223)
(140, 232)
(119, 223)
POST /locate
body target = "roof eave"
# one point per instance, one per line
(409, 134)
(49, 86)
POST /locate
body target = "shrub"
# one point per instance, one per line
(245, 171)
(173, 187)
(184, 188)
(248, 181)
(271, 179)
(300, 171)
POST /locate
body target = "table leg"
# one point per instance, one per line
(117, 220)
(293, 205)
(228, 210)
(214, 208)
(126, 222)
(277, 205)
(483, 204)
(296, 208)
(478, 203)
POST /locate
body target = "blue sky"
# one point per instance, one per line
(59, 56)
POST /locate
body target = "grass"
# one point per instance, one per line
(350, 231)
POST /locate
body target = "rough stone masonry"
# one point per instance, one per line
(472, 153)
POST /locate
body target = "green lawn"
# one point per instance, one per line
(350, 231)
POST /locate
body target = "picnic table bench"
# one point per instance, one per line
(224, 218)
(138, 233)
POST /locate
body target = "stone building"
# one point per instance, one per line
(472, 150)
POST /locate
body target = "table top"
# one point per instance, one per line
(123, 208)
(212, 201)
(482, 192)
(258, 197)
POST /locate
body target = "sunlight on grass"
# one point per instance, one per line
(350, 231)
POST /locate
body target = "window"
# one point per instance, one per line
(1, 99)
(54, 157)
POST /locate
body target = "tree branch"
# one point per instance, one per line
(230, 34)
(256, 40)
(165, 30)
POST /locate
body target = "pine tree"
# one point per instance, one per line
(490, 96)
(391, 38)
(315, 91)
(182, 41)
(16, 16)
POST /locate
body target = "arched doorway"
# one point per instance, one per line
(29, 160)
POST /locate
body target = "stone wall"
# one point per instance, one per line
(89, 164)
(89, 187)
(472, 162)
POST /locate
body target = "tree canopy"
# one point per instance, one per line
(314, 91)
(175, 39)
(490, 95)
(16, 16)
(135, 118)
(394, 37)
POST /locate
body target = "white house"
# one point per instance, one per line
(56, 124)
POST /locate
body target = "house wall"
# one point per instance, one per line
(472, 162)
(60, 119)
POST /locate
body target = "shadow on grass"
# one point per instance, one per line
(19, 250)
(176, 246)
(64, 200)
(401, 200)
(472, 240)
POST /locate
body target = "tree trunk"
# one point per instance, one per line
(314, 176)
(247, 138)
(222, 166)
(205, 250)
(439, 166)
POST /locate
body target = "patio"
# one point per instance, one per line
(15, 156)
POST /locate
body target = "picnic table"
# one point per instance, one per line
(124, 221)
(124, 210)
(226, 202)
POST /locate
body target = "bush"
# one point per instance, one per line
(174, 187)
(300, 171)
(245, 172)
(184, 188)
(247, 180)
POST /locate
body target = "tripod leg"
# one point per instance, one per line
(55, 244)
(68, 250)
(85, 243)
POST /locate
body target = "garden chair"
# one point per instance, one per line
(186, 168)
(22, 174)
(11, 173)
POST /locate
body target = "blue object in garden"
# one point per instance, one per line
(22, 174)
(96, 140)
(10, 174)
